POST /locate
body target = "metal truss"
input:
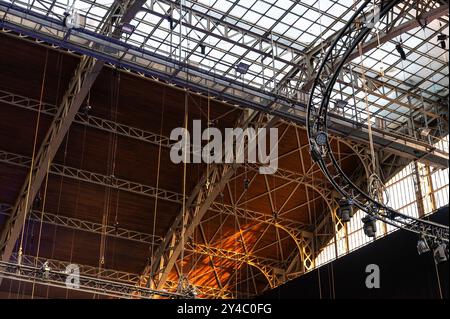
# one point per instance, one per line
(355, 31)
(83, 225)
(57, 278)
(141, 189)
(116, 276)
(137, 60)
(83, 79)
(270, 268)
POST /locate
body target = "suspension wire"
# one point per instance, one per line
(155, 207)
(33, 157)
(40, 224)
(183, 229)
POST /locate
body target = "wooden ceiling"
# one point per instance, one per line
(29, 69)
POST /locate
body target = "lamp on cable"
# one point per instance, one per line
(369, 226)
(400, 50)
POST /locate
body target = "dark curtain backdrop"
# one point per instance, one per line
(403, 273)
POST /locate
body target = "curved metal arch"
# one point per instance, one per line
(355, 31)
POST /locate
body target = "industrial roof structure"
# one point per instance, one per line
(91, 90)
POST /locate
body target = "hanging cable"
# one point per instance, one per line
(33, 157)
(155, 207)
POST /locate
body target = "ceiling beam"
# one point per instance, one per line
(79, 86)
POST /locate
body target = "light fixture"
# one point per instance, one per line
(400, 50)
(340, 104)
(242, 67)
(424, 131)
(202, 48)
(316, 155)
(441, 39)
(369, 226)
(440, 253)
(170, 19)
(422, 246)
(127, 28)
(321, 138)
(345, 210)
(37, 201)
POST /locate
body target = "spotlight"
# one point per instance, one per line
(441, 39)
(86, 109)
(369, 226)
(202, 49)
(321, 138)
(45, 269)
(340, 104)
(170, 19)
(440, 253)
(127, 28)
(246, 183)
(400, 51)
(422, 246)
(316, 155)
(345, 211)
(424, 131)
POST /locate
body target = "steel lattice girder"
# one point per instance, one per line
(83, 79)
(73, 223)
(145, 190)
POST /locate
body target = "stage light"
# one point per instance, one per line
(400, 51)
(170, 19)
(321, 138)
(422, 246)
(440, 253)
(345, 210)
(127, 28)
(369, 226)
(441, 39)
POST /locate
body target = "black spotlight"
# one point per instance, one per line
(246, 183)
(400, 51)
(369, 226)
(441, 39)
(86, 109)
(321, 138)
(422, 246)
(345, 210)
(440, 253)
(202, 48)
(316, 155)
